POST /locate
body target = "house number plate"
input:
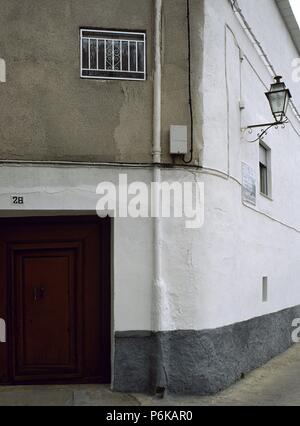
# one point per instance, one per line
(17, 200)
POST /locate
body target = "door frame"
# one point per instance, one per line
(7, 303)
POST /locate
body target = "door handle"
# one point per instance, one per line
(42, 292)
(38, 293)
(35, 294)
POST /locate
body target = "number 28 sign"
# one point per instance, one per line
(17, 200)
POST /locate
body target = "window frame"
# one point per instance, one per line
(265, 289)
(265, 177)
(128, 33)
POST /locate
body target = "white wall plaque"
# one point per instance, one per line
(248, 184)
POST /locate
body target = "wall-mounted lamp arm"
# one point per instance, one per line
(264, 129)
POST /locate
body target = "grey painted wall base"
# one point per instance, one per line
(199, 362)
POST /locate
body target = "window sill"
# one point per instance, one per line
(266, 196)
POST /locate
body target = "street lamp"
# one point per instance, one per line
(279, 97)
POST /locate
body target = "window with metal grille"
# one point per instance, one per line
(116, 55)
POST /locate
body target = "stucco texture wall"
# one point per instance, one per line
(244, 243)
(47, 112)
(177, 51)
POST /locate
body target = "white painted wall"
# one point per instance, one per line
(52, 190)
(244, 244)
(212, 276)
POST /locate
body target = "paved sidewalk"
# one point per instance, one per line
(277, 383)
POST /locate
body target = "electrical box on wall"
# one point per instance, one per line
(178, 140)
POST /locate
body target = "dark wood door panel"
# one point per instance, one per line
(56, 286)
(4, 313)
(45, 286)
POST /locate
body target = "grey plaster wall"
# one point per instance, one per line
(48, 113)
(199, 362)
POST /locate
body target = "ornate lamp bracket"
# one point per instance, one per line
(264, 128)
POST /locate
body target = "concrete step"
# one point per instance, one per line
(69, 395)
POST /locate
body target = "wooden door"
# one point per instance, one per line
(56, 286)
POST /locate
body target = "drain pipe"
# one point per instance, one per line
(159, 375)
(156, 153)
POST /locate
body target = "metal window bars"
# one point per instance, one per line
(114, 55)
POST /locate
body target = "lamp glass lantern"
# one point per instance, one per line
(279, 97)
